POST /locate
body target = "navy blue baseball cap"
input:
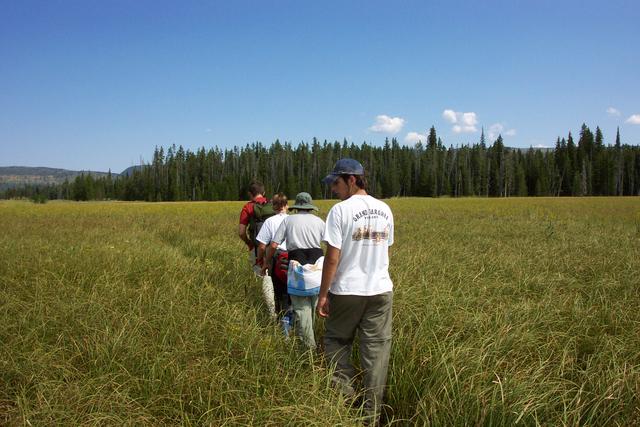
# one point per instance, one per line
(344, 167)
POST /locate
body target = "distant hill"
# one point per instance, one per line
(129, 171)
(14, 176)
(524, 150)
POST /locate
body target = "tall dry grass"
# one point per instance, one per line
(121, 314)
(509, 311)
(517, 311)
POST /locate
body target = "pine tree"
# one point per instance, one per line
(586, 146)
(619, 163)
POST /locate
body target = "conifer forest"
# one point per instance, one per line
(588, 167)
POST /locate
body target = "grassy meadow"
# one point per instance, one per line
(506, 312)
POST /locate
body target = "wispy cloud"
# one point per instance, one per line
(613, 112)
(499, 129)
(414, 138)
(386, 124)
(208, 130)
(634, 119)
(494, 130)
(462, 122)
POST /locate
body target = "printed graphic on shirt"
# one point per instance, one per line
(366, 233)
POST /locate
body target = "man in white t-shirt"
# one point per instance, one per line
(356, 293)
(275, 289)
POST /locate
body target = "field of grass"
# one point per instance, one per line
(506, 311)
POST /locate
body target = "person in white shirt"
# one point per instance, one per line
(275, 295)
(356, 292)
(303, 234)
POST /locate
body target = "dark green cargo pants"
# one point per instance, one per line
(369, 317)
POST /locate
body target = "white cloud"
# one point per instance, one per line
(499, 129)
(613, 112)
(541, 146)
(469, 119)
(208, 130)
(386, 124)
(464, 129)
(450, 116)
(463, 122)
(414, 138)
(634, 120)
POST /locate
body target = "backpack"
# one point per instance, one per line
(261, 211)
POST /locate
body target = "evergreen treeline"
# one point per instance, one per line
(587, 168)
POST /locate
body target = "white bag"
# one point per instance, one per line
(304, 277)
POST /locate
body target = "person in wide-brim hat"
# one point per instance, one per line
(304, 202)
(303, 234)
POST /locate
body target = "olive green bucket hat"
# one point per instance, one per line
(304, 201)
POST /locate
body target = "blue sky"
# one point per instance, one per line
(98, 84)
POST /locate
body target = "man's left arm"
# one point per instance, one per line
(271, 249)
(261, 253)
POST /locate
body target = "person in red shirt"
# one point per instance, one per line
(256, 195)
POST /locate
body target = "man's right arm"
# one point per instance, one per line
(242, 233)
(329, 268)
(245, 216)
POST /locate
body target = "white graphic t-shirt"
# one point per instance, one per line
(268, 230)
(362, 228)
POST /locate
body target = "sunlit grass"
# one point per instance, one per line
(521, 310)
(506, 311)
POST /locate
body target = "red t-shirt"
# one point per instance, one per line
(247, 210)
